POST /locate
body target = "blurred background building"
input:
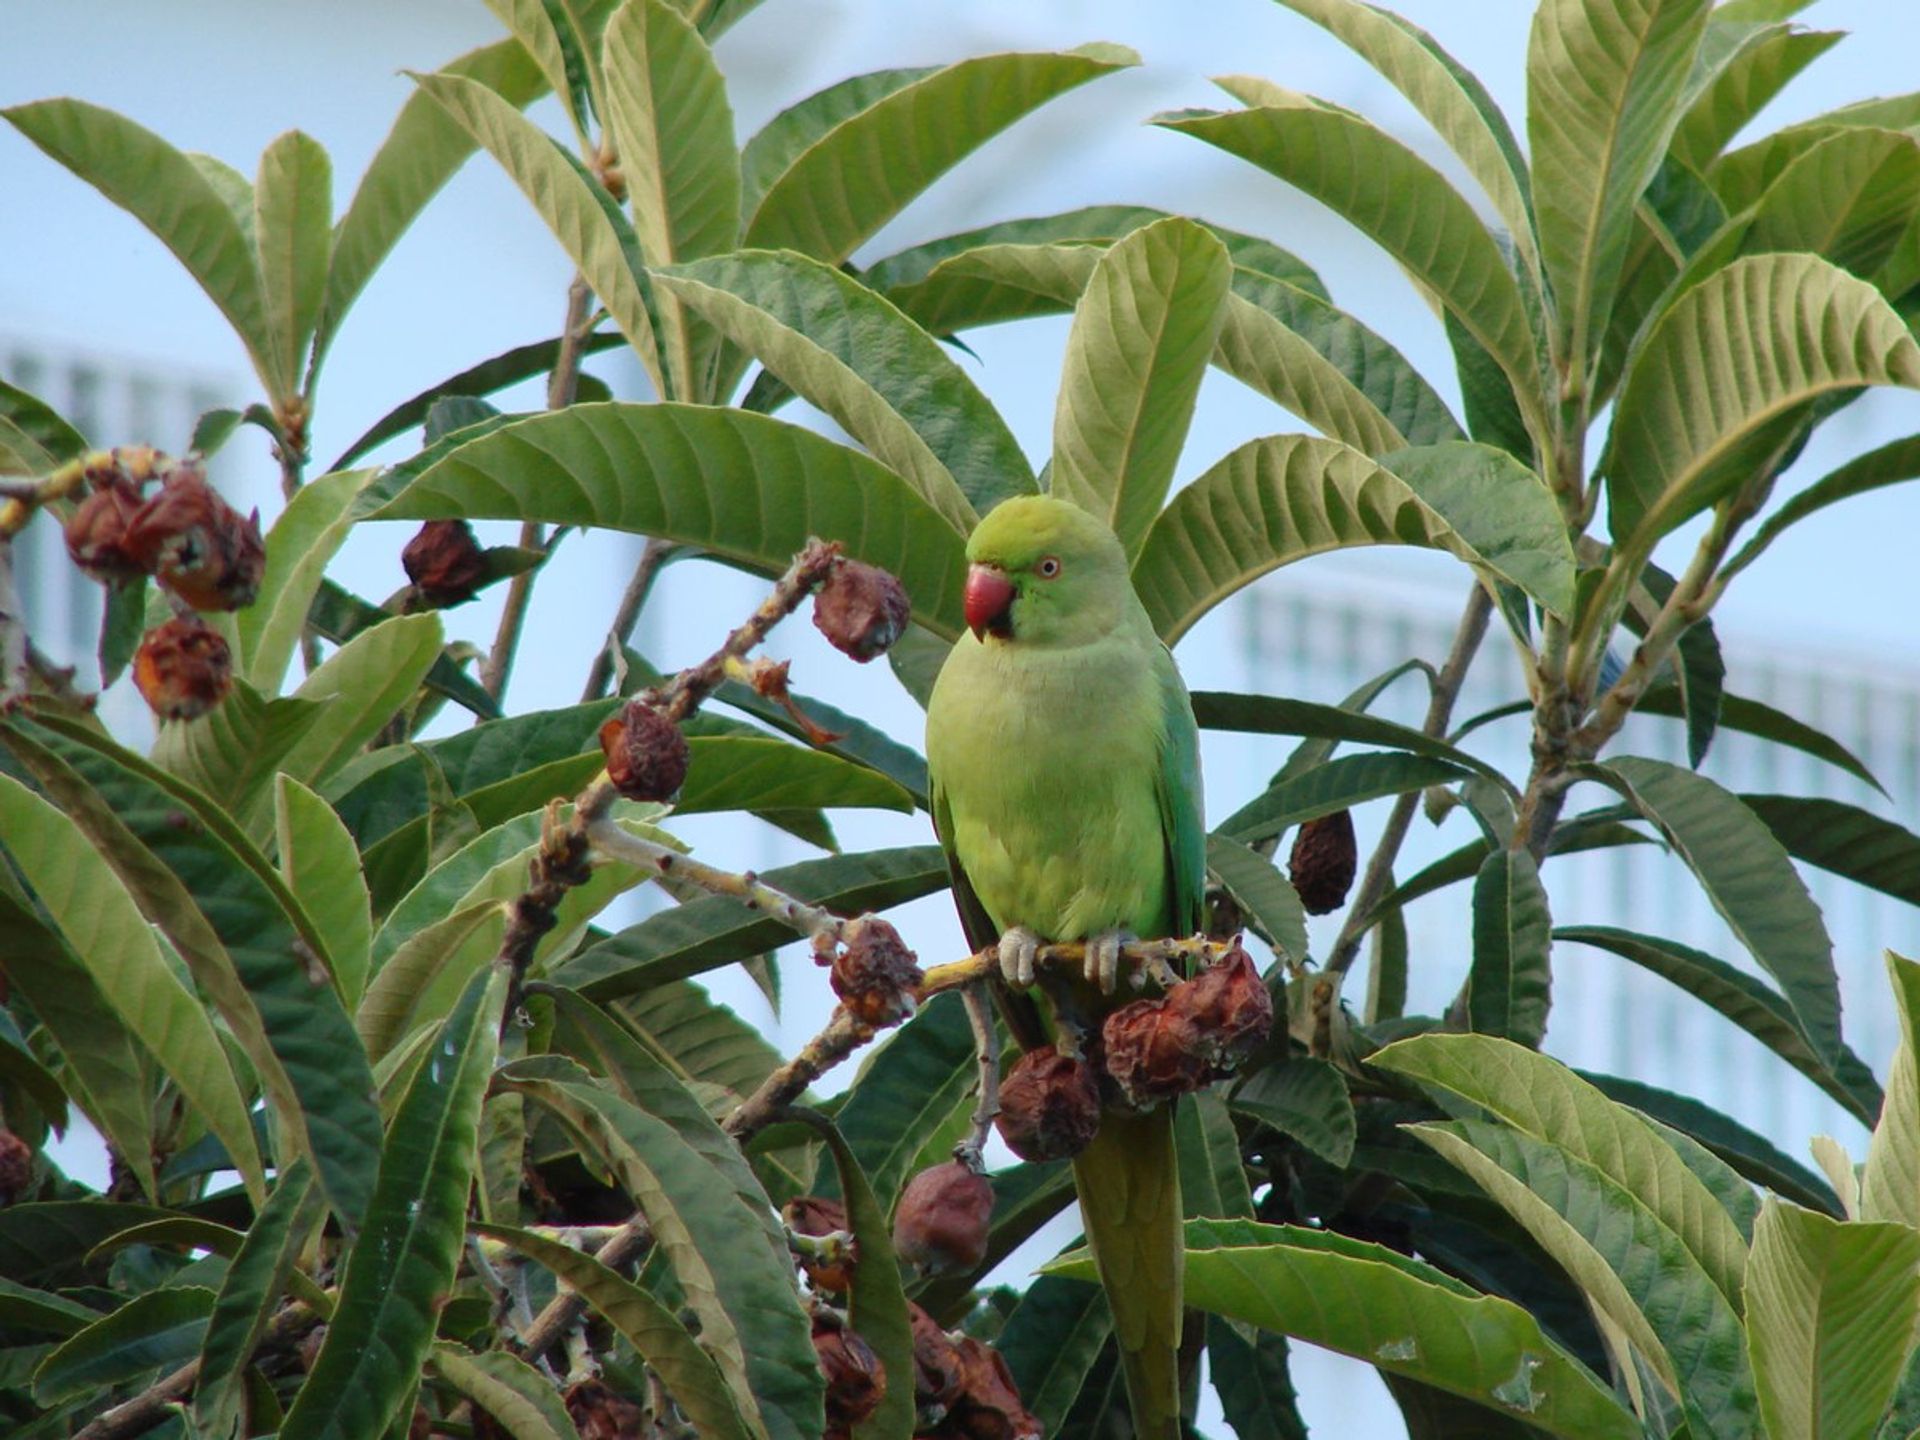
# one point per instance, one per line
(98, 319)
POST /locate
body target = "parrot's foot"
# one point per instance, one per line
(1103, 959)
(1019, 950)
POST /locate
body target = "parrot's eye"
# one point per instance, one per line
(1047, 568)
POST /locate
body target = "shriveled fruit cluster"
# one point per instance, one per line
(1049, 1105)
(873, 972)
(646, 753)
(205, 554)
(940, 1225)
(1197, 1032)
(444, 563)
(1323, 862)
(861, 609)
(962, 1389)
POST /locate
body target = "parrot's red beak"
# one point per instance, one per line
(989, 602)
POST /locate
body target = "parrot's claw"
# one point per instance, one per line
(1019, 950)
(1103, 959)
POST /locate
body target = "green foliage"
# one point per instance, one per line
(323, 968)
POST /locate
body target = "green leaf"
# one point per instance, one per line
(548, 37)
(321, 865)
(1605, 87)
(1251, 1377)
(804, 124)
(1845, 840)
(1446, 94)
(1306, 1099)
(256, 1278)
(155, 1331)
(1742, 65)
(1848, 199)
(580, 215)
(856, 739)
(845, 182)
(1142, 334)
(1830, 1312)
(713, 932)
(521, 1399)
(98, 918)
(1747, 1003)
(1754, 717)
(339, 615)
(1695, 392)
(302, 542)
(173, 197)
(1213, 1180)
(1399, 202)
(293, 240)
(234, 750)
(409, 1248)
(310, 1063)
(888, 383)
(1337, 785)
(1750, 881)
(1890, 464)
(876, 1305)
(747, 488)
(1276, 715)
(1280, 499)
(732, 1274)
(700, 1038)
(1266, 898)
(655, 1332)
(1051, 1342)
(909, 1089)
(673, 130)
(1890, 1184)
(1632, 1268)
(1372, 1303)
(1509, 983)
(33, 423)
(362, 684)
(418, 156)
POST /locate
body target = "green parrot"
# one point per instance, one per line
(1065, 770)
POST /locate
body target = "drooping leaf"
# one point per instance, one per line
(1141, 338)
(1306, 1099)
(293, 242)
(409, 1247)
(1509, 981)
(1399, 1314)
(1251, 1376)
(1050, 1343)
(1280, 499)
(98, 918)
(1266, 898)
(29, 423)
(1830, 1311)
(746, 488)
(841, 183)
(1736, 353)
(888, 383)
(1279, 715)
(1845, 840)
(1749, 880)
(521, 1400)
(1746, 1002)
(1339, 784)
(910, 1089)
(154, 1331)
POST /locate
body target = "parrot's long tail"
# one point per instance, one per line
(1129, 1184)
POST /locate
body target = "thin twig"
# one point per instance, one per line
(986, 1049)
(653, 559)
(811, 921)
(1446, 690)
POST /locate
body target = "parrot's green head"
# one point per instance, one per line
(1044, 573)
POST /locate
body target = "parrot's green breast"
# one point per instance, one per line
(1046, 763)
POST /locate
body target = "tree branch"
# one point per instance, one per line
(653, 559)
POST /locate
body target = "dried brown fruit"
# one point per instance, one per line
(1152, 1052)
(936, 1368)
(599, 1414)
(1049, 1105)
(444, 562)
(196, 545)
(97, 533)
(421, 1425)
(646, 753)
(856, 1380)
(16, 1166)
(988, 1406)
(183, 668)
(942, 1220)
(814, 1217)
(861, 609)
(1230, 1006)
(1323, 861)
(874, 973)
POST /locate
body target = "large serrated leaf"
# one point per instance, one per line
(520, 1399)
(1265, 897)
(1306, 1099)
(1337, 785)
(908, 1091)
(1398, 201)
(1845, 840)
(1605, 85)
(1509, 982)
(1750, 881)
(1890, 1183)
(1848, 199)
(293, 241)
(747, 488)
(1742, 65)
(1051, 1342)
(1399, 1314)
(409, 1247)
(1285, 497)
(1141, 338)
(842, 184)
(299, 546)
(1742, 349)
(851, 354)
(361, 684)
(154, 1331)
(1542, 1098)
(1830, 1312)
(98, 918)
(321, 865)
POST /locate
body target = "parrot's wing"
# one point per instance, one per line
(1180, 795)
(975, 923)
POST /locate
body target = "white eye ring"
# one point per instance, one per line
(1047, 568)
